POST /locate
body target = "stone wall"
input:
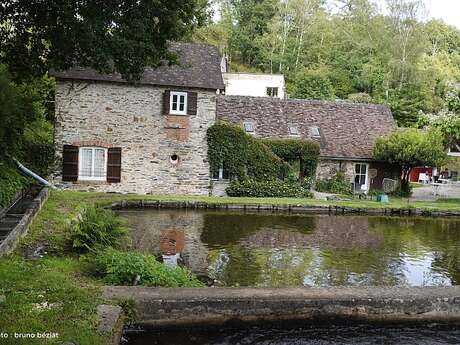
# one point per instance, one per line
(327, 168)
(130, 117)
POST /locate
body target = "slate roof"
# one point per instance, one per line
(199, 68)
(348, 130)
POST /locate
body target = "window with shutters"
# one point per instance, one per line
(92, 164)
(178, 103)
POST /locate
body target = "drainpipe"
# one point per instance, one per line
(32, 174)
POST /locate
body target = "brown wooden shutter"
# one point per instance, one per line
(114, 165)
(166, 98)
(192, 100)
(70, 163)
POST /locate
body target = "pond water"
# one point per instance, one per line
(313, 335)
(287, 250)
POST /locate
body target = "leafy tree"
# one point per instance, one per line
(410, 148)
(251, 22)
(116, 35)
(313, 84)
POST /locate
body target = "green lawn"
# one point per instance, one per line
(58, 278)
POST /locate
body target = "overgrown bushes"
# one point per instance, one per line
(306, 152)
(98, 228)
(271, 188)
(100, 233)
(125, 268)
(243, 155)
(337, 184)
(260, 167)
(11, 181)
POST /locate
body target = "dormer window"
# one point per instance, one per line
(178, 103)
(248, 127)
(293, 130)
(314, 132)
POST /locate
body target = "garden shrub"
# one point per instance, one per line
(262, 167)
(290, 187)
(11, 182)
(337, 185)
(98, 227)
(296, 150)
(123, 268)
(243, 155)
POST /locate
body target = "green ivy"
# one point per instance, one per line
(260, 159)
(306, 152)
(11, 181)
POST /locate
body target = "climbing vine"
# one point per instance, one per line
(244, 156)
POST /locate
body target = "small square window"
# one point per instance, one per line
(248, 127)
(178, 103)
(272, 91)
(314, 132)
(293, 130)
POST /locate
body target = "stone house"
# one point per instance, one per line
(346, 132)
(150, 137)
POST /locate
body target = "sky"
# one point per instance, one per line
(447, 10)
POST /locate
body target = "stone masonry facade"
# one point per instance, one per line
(108, 115)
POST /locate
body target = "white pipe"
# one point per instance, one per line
(32, 174)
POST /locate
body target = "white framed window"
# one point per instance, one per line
(272, 91)
(294, 130)
(92, 164)
(221, 174)
(454, 149)
(248, 127)
(314, 132)
(361, 180)
(178, 103)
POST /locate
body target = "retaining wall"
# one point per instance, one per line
(314, 209)
(10, 242)
(163, 307)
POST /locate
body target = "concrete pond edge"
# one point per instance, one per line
(290, 208)
(20, 230)
(185, 307)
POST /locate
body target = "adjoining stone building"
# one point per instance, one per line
(150, 137)
(346, 132)
(145, 138)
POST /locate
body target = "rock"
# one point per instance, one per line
(110, 320)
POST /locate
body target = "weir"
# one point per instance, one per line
(169, 307)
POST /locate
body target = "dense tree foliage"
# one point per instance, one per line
(411, 148)
(108, 35)
(394, 56)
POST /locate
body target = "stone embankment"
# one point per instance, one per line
(164, 307)
(313, 209)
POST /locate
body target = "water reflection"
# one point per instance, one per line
(238, 249)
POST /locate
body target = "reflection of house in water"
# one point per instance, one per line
(169, 233)
(171, 246)
(329, 232)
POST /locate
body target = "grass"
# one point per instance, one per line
(46, 295)
(58, 278)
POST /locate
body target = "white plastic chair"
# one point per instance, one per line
(422, 177)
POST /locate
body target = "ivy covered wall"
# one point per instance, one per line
(246, 158)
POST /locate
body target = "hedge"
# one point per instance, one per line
(266, 189)
(260, 159)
